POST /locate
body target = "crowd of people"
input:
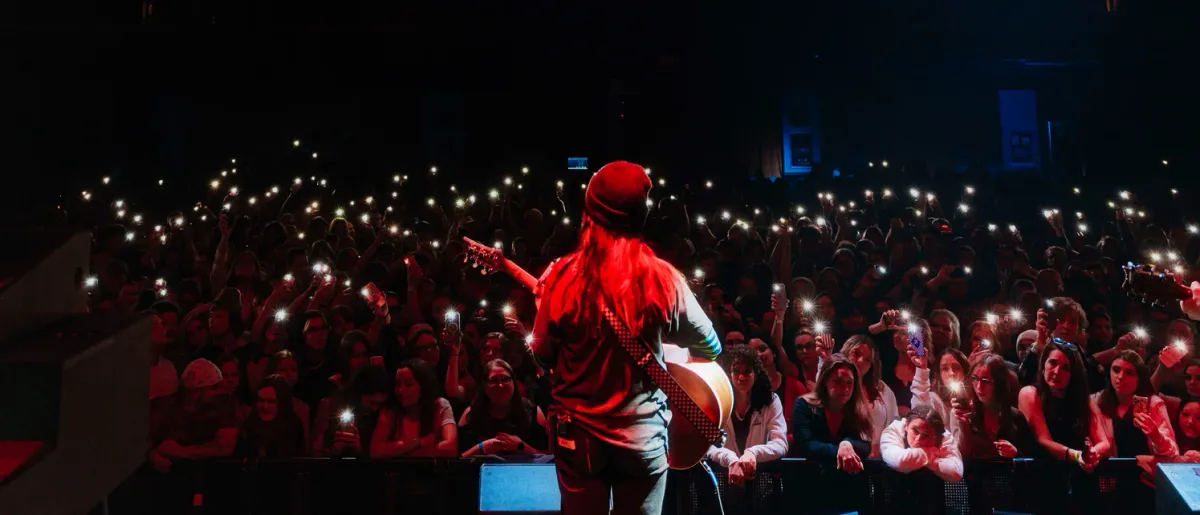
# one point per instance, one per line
(300, 322)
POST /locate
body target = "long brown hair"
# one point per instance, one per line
(620, 270)
(871, 381)
(853, 415)
(1002, 387)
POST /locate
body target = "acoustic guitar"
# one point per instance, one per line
(1159, 287)
(704, 382)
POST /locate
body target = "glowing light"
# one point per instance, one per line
(347, 416)
(970, 190)
(807, 305)
(1155, 256)
(914, 192)
(1083, 228)
(524, 169)
(297, 181)
(929, 197)
(1140, 332)
(887, 193)
(300, 235)
(967, 270)
(281, 315)
(698, 273)
(508, 181)
(647, 171)
(396, 178)
(820, 327)
(725, 215)
(1112, 204)
(566, 220)
(214, 184)
(120, 213)
(506, 309)
(394, 229)
(458, 202)
(905, 315)
(1124, 195)
(1012, 228)
(799, 210)
(924, 270)
(662, 182)
(91, 281)
(1193, 229)
(295, 143)
(991, 318)
(433, 170)
(985, 343)
(885, 164)
(430, 201)
(964, 208)
(364, 218)
(160, 182)
(105, 179)
(369, 200)
(339, 212)
(708, 184)
(821, 221)
(700, 220)
(1047, 213)
(493, 194)
(1016, 314)
(314, 155)
(498, 244)
(1172, 255)
(137, 219)
(955, 386)
(129, 236)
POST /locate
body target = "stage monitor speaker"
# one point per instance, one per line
(518, 488)
(41, 279)
(1177, 488)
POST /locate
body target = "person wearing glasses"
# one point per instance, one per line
(500, 421)
(986, 422)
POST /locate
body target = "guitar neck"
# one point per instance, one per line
(523, 277)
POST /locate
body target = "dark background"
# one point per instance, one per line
(481, 88)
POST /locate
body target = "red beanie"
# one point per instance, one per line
(616, 197)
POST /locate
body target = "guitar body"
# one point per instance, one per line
(707, 384)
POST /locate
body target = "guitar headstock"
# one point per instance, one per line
(1153, 285)
(488, 259)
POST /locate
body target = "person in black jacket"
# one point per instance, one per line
(272, 430)
(832, 405)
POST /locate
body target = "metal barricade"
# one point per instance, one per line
(326, 485)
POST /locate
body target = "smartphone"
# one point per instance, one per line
(452, 320)
(1141, 404)
(1171, 355)
(373, 295)
(914, 339)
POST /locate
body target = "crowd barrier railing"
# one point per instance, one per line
(451, 486)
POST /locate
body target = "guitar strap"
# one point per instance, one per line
(640, 352)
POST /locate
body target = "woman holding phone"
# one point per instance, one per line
(1133, 417)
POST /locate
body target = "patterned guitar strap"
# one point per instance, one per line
(678, 399)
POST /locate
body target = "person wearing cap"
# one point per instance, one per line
(196, 422)
(610, 422)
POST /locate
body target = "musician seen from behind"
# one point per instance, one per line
(608, 422)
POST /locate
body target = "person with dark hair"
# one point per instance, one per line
(272, 430)
(986, 424)
(1134, 419)
(920, 440)
(345, 425)
(499, 421)
(833, 404)
(757, 431)
(419, 422)
(602, 408)
(317, 359)
(1058, 410)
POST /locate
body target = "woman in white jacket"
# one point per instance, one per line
(757, 431)
(920, 440)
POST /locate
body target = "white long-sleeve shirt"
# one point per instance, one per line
(883, 411)
(945, 461)
(766, 439)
